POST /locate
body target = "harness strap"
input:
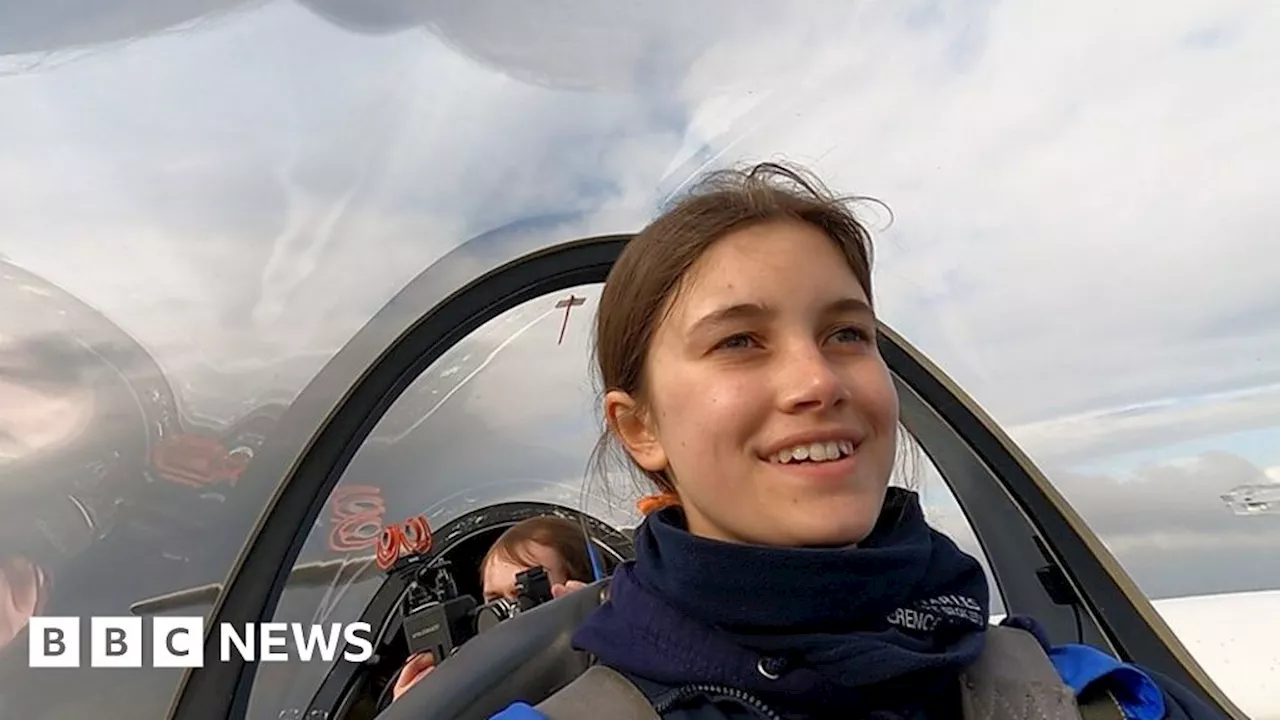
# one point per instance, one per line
(1013, 679)
(600, 692)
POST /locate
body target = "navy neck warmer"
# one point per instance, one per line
(884, 627)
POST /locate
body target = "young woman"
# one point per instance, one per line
(777, 574)
(554, 544)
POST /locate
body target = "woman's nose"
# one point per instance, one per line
(807, 380)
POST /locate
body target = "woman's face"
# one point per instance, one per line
(499, 574)
(767, 398)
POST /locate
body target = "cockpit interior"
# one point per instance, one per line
(442, 585)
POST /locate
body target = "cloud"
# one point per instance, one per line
(54, 29)
(1075, 161)
(1082, 203)
(1170, 530)
(1051, 249)
(1091, 437)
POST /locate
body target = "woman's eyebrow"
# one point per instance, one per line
(850, 305)
(735, 312)
(759, 311)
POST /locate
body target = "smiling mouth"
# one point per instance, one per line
(813, 453)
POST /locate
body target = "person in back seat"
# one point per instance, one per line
(777, 575)
(555, 544)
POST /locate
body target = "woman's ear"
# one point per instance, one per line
(635, 429)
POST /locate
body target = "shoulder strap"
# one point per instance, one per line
(1013, 679)
(600, 692)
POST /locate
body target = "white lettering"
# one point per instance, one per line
(364, 642)
(243, 642)
(950, 607)
(956, 601)
(914, 620)
(273, 635)
(328, 642)
(177, 642)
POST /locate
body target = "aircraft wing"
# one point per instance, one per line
(1236, 638)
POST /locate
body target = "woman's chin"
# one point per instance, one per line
(813, 533)
(837, 523)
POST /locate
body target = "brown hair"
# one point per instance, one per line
(565, 537)
(648, 274)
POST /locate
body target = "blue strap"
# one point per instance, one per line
(596, 570)
(1080, 666)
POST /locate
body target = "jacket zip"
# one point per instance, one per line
(673, 698)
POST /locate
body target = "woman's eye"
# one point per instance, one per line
(741, 341)
(850, 334)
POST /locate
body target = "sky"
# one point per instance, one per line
(1083, 231)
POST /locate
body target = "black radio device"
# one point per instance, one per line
(439, 620)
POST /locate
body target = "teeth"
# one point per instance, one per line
(814, 452)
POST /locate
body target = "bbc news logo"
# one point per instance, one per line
(178, 642)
